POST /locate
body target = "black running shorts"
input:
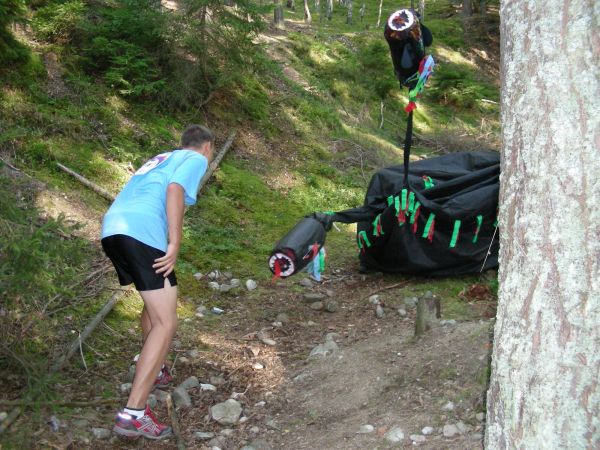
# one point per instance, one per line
(133, 262)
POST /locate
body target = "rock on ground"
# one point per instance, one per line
(227, 412)
(394, 435)
(190, 383)
(181, 398)
(251, 285)
(101, 433)
(450, 430)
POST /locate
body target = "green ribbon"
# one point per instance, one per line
(390, 200)
(397, 204)
(479, 222)
(416, 206)
(375, 222)
(455, 233)
(363, 234)
(428, 225)
(404, 194)
(321, 260)
(428, 182)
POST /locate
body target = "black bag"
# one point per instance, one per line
(407, 39)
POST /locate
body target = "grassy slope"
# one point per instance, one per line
(298, 151)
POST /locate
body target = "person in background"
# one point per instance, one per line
(141, 234)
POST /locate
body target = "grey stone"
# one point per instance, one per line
(374, 299)
(448, 406)
(243, 419)
(54, 423)
(427, 430)
(208, 387)
(161, 396)
(152, 401)
(310, 323)
(218, 442)
(203, 435)
(227, 432)
(3, 416)
(214, 274)
(235, 282)
(265, 339)
(183, 360)
(394, 435)
(176, 343)
(326, 349)
(277, 324)
(282, 317)
(125, 388)
(462, 427)
(331, 337)
(251, 285)
(181, 398)
(419, 438)
(272, 423)
(411, 302)
(255, 430)
(331, 306)
(247, 447)
(227, 412)
(193, 353)
(217, 380)
(190, 383)
(227, 275)
(198, 276)
(477, 436)
(131, 373)
(214, 285)
(329, 293)
(448, 322)
(450, 430)
(201, 309)
(313, 297)
(306, 282)
(101, 433)
(317, 306)
(81, 423)
(260, 444)
(402, 312)
(365, 429)
(225, 288)
(480, 416)
(379, 312)
(428, 294)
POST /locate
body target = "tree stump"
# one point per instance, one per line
(428, 313)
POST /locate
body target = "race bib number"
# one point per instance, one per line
(153, 163)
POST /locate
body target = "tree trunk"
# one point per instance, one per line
(349, 16)
(291, 5)
(422, 9)
(307, 16)
(363, 8)
(482, 7)
(467, 8)
(278, 15)
(379, 14)
(329, 9)
(544, 384)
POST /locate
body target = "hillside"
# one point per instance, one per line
(317, 111)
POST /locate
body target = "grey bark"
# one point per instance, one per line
(278, 15)
(422, 9)
(349, 16)
(467, 8)
(543, 390)
(379, 13)
(307, 16)
(363, 8)
(428, 313)
(482, 7)
(329, 9)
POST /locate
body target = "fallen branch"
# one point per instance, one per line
(217, 160)
(175, 423)
(59, 364)
(14, 168)
(99, 190)
(69, 403)
(9, 420)
(392, 286)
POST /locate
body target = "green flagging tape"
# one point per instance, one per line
(322, 260)
(428, 182)
(363, 234)
(455, 233)
(496, 223)
(411, 202)
(329, 213)
(375, 223)
(404, 194)
(428, 225)
(390, 200)
(479, 222)
(417, 206)
(397, 204)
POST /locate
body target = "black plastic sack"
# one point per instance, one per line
(442, 223)
(299, 246)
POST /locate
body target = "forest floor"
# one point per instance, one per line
(376, 387)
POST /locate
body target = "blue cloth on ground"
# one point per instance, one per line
(140, 210)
